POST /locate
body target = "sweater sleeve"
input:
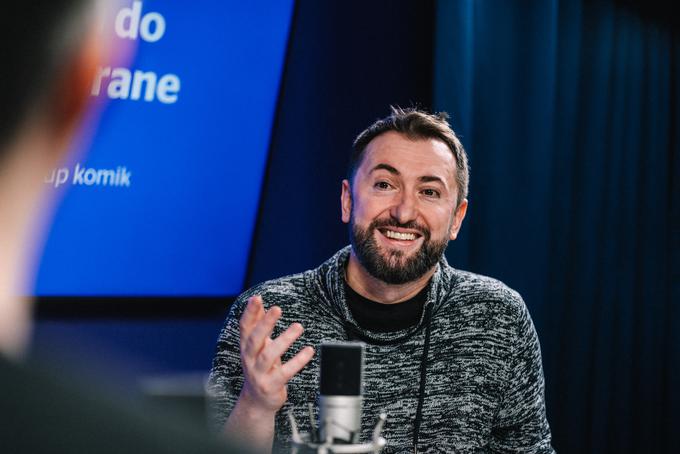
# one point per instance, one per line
(226, 376)
(521, 424)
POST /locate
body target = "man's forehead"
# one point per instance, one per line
(396, 153)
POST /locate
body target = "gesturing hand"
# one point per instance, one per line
(265, 375)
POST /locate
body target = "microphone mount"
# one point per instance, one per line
(311, 442)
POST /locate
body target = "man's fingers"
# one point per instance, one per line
(251, 315)
(262, 331)
(273, 351)
(297, 362)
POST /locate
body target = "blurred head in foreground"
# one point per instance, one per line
(50, 50)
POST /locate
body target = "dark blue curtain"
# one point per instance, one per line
(570, 113)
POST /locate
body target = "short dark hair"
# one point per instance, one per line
(36, 39)
(416, 125)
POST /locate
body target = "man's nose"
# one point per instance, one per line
(405, 208)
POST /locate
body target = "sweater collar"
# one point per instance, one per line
(331, 277)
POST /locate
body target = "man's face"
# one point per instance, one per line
(401, 206)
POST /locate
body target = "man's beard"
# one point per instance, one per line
(391, 266)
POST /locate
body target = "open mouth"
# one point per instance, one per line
(399, 236)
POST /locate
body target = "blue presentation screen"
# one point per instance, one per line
(164, 199)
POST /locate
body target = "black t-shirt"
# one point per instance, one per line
(385, 318)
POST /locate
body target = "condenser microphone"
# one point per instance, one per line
(340, 398)
(341, 390)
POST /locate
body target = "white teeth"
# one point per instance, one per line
(399, 235)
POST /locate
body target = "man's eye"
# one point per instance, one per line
(382, 185)
(430, 193)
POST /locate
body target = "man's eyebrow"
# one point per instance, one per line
(387, 167)
(423, 179)
(430, 179)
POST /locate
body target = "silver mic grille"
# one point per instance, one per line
(340, 418)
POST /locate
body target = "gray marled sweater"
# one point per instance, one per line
(484, 380)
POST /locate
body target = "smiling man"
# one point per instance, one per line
(451, 357)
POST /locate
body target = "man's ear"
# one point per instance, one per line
(346, 201)
(458, 217)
